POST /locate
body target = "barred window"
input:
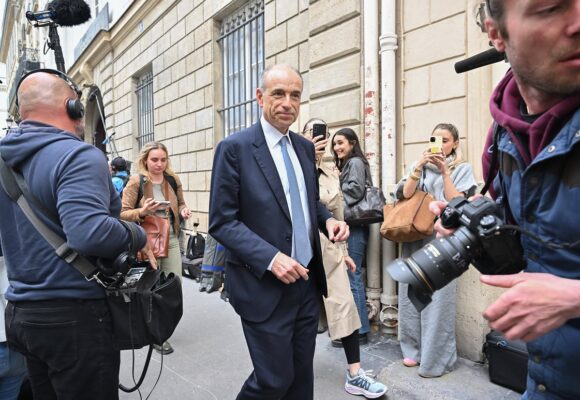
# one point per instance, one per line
(242, 45)
(144, 91)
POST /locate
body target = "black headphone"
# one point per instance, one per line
(74, 107)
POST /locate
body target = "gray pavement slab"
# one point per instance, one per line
(211, 362)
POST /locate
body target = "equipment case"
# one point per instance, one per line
(508, 361)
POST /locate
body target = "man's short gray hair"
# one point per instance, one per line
(277, 66)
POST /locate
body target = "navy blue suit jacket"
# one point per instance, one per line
(249, 216)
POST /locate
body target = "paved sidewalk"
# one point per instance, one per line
(211, 362)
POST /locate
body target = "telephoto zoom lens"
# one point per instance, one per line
(435, 265)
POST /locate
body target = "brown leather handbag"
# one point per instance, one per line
(157, 229)
(408, 220)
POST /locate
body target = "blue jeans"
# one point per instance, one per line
(357, 247)
(12, 372)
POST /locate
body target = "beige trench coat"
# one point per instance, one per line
(341, 312)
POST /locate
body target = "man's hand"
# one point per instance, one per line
(338, 231)
(437, 207)
(287, 269)
(535, 304)
(150, 256)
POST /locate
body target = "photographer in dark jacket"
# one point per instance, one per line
(536, 107)
(55, 317)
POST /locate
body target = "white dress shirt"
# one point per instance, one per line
(273, 137)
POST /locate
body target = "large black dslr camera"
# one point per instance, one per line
(481, 239)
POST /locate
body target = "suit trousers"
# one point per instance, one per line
(282, 347)
(68, 348)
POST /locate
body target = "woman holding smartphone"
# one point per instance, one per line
(339, 306)
(161, 194)
(427, 338)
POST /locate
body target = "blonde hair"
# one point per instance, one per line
(144, 154)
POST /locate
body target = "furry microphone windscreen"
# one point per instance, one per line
(69, 13)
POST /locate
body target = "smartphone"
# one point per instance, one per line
(319, 130)
(163, 202)
(436, 143)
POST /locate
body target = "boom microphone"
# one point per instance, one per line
(61, 12)
(479, 60)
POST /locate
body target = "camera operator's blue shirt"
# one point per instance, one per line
(542, 196)
(70, 179)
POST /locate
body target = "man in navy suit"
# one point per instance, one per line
(264, 209)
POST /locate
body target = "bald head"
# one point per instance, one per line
(42, 94)
(42, 97)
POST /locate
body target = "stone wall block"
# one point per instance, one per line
(441, 9)
(345, 73)
(445, 82)
(416, 14)
(325, 46)
(342, 109)
(416, 87)
(194, 19)
(419, 121)
(298, 29)
(329, 13)
(276, 41)
(285, 10)
(269, 16)
(435, 42)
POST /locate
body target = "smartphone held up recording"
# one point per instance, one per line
(319, 130)
(435, 144)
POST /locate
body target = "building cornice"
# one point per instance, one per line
(105, 42)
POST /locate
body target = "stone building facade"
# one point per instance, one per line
(175, 48)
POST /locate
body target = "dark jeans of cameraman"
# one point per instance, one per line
(68, 348)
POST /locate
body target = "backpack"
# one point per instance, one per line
(195, 246)
(124, 179)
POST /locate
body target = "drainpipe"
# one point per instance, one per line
(388, 46)
(372, 142)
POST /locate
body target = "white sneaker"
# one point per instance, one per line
(363, 385)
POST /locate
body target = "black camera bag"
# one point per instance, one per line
(508, 361)
(147, 312)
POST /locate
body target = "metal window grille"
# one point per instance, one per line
(242, 45)
(144, 93)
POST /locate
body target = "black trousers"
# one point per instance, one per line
(282, 347)
(68, 348)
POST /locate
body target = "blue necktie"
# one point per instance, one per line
(301, 247)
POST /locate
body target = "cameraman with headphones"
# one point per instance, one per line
(536, 107)
(55, 317)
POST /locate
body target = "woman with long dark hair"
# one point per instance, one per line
(355, 175)
(339, 305)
